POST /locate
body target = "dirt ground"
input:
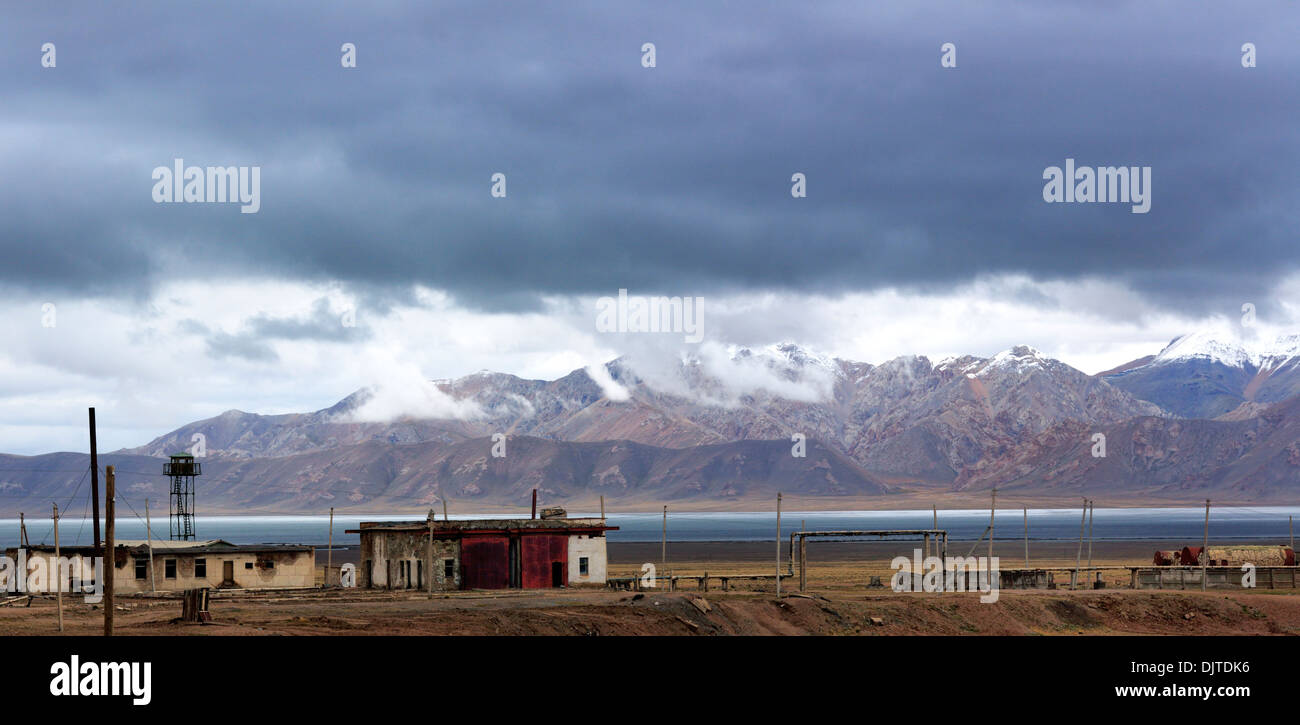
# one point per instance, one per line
(837, 603)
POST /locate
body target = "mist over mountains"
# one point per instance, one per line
(1200, 417)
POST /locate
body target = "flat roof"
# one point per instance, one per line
(478, 526)
(211, 546)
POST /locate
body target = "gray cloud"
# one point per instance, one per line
(323, 324)
(224, 345)
(673, 179)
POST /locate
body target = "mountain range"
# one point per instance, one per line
(1200, 417)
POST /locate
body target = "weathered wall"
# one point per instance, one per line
(382, 554)
(287, 569)
(1189, 577)
(487, 562)
(543, 555)
(592, 547)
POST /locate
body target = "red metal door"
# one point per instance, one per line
(486, 562)
(539, 552)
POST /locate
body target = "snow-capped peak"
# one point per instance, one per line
(785, 354)
(1205, 345)
(1017, 359)
(1223, 349)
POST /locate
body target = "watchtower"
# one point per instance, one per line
(182, 468)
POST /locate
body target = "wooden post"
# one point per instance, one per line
(1078, 557)
(148, 537)
(993, 508)
(329, 551)
(22, 532)
(1205, 547)
(1092, 508)
(110, 541)
(602, 508)
(58, 570)
(94, 485)
(444, 510)
(934, 508)
(663, 553)
(943, 555)
(1290, 527)
(1026, 537)
(430, 573)
(778, 545)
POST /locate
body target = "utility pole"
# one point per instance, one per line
(663, 553)
(803, 556)
(778, 545)
(993, 508)
(1205, 547)
(444, 510)
(602, 508)
(329, 551)
(431, 517)
(148, 537)
(110, 521)
(1092, 509)
(94, 485)
(22, 532)
(1078, 556)
(1026, 537)
(1290, 527)
(58, 570)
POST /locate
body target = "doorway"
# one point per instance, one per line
(557, 574)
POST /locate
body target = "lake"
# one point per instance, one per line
(1185, 525)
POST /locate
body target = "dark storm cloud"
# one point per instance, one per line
(673, 179)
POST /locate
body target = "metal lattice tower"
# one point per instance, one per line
(182, 469)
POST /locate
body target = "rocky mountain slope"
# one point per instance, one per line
(720, 428)
(377, 476)
(906, 417)
(1205, 375)
(1255, 459)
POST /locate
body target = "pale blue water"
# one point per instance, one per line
(1254, 523)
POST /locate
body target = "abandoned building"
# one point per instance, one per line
(180, 565)
(537, 553)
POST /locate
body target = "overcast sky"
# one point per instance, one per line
(924, 228)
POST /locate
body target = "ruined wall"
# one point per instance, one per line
(593, 548)
(250, 570)
(388, 556)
